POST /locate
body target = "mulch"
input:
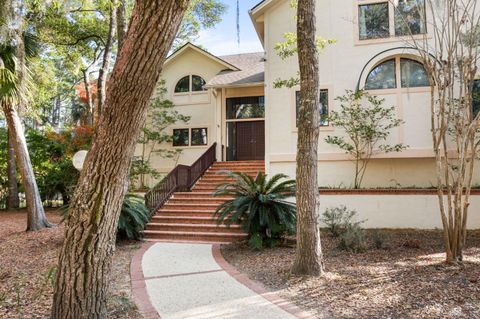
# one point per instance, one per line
(27, 266)
(406, 278)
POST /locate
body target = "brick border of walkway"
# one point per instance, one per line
(146, 308)
(257, 288)
(139, 285)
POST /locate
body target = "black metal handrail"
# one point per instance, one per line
(180, 179)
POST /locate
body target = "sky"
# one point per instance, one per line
(222, 40)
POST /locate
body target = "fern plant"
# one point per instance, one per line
(260, 205)
(133, 217)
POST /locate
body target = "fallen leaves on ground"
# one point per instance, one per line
(27, 270)
(400, 280)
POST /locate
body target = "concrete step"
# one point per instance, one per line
(225, 237)
(202, 228)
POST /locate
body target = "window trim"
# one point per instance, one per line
(391, 18)
(398, 77)
(190, 128)
(293, 114)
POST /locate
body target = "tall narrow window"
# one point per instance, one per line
(374, 21)
(382, 76)
(322, 109)
(410, 17)
(476, 98)
(181, 137)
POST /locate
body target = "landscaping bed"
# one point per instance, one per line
(406, 278)
(27, 265)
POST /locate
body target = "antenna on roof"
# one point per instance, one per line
(238, 23)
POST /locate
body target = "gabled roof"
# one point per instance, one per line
(251, 73)
(256, 15)
(189, 45)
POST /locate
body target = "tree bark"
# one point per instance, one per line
(85, 258)
(122, 26)
(308, 257)
(36, 215)
(107, 56)
(88, 117)
(13, 202)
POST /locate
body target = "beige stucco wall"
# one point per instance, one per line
(341, 65)
(398, 211)
(200, 106)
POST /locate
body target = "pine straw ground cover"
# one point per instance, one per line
(27, 264)
(405, 279)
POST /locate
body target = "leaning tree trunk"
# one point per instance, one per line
(308, 258)
(85, 259)
(107, 56)
(13, 201)
(36, 215)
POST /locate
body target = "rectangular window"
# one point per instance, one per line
(323, 108)
(410, 17)
(199, 136)
(374, 21)
(181, 137)
(251, 107)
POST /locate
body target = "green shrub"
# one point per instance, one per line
(133, 217)
(353, 239)
(260, 206)
(341, 223)
(338, 219)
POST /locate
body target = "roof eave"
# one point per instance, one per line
(233, 85)
(202, 51)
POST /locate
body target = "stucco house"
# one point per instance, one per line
(233, 103)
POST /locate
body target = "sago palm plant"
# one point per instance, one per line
(260, 205)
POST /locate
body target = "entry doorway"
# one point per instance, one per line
(245, 129)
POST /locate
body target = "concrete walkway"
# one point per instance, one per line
(182, 280)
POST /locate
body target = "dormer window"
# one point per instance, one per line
(384, 19)
(190, 83)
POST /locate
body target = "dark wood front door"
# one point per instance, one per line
(250, 140)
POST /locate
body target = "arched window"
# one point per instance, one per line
(197, 83)
(413, 74)
(397, 73)
(190, 83)
(382, 76)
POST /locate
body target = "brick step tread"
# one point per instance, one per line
(235, 226)
(183, 219)
(197, 200)
(167, 232)
(191, 211)
(189, 204)
(205, 228)
(197, 194)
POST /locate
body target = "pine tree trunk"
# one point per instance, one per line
(36, 215)
(13, 202)
(85, 258)
(88, 116)
(308, 258)
(107, 56)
